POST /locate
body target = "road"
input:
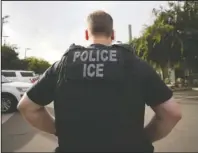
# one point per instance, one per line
(18, 136)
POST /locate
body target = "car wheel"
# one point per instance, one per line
(8, 103)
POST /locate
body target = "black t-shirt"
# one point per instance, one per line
(144, 86)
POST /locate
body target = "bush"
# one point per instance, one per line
(167, 81)
(180, 81)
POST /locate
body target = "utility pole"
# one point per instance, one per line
(26, 49)
(130, 32)
(3, 21)
(5, 39)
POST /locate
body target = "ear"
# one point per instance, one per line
(86, 35)
(113, 35)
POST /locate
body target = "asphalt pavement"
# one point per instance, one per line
(18, 136)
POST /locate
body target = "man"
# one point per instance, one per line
(99, 95)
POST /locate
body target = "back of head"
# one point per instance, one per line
(100, 31)
(100, 24)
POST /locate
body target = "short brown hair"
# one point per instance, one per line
(100, 23)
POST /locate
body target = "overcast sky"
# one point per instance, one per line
(49, 27)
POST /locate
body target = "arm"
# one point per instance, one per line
(31, 106)
(36, 115)
(159, 97)
(166, 117)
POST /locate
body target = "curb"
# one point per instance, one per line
(195, 89)
(185, 89)
(179, 89)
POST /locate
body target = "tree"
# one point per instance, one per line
(172, 38)
(37, 65)
(164, 41)
(9, 58)
(159, 44)
(11, 61)
(190, 34)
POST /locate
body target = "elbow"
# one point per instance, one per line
(27, 107)
(176, 116)
(174, 112)
(25, 112)
(169, 111)
(22, 108)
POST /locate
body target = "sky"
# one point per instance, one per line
(49, 27)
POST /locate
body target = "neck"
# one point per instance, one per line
(103, 41)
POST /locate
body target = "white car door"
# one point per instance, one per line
(26, 76)
(11, 75)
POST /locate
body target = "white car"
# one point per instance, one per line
(11, 93)
(20, 76)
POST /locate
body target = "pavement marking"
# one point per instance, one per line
(6, 117)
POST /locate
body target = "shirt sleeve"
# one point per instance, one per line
(155, 90)
(43, 91)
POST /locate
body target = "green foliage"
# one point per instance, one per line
(167, 81)
(172, 38)
(37, 65)
(10, 60)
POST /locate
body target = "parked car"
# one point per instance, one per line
(11, 93)
(20, 76)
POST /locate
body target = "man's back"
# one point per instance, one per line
(102, 114)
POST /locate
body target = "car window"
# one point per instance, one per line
(4, 79)
(9, 74)
(27, 74)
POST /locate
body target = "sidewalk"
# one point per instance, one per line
(5, 117)
(181, 88)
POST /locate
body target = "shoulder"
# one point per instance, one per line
(125, 47)
(144, 67)
(141, 68)
(54, 66)
(74, 47)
